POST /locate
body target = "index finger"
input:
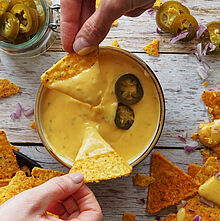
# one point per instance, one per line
(70, 22)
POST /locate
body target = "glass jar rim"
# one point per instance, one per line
(36, 37)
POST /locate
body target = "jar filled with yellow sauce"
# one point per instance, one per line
(27, 27)
(62, 121)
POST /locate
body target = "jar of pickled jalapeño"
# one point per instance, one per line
(27, 27)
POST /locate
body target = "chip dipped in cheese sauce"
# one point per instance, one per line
(66, 122)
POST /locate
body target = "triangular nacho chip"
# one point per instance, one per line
(209, 169)
(8, 162)
(7, 88)
(128, 217)
(152, 48)
(41, 175)
(195, 207)
(102, 167)
(18, 184)
(157, 3)
(115, 43)
(142, 180)
(212, 100)
(77, 76)
(171, 184)
(193, 169)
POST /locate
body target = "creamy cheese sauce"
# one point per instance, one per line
(65, 119)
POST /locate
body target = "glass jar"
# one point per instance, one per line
(42, 40)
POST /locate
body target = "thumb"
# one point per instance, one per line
(96, 28)
(56, 189)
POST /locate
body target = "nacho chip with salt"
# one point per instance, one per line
(209, 169)
(152, 48)
(195, 207)
(170, 217)
(41, 175)
(102, 167)
(7, 88)
(193, 169)
(142, 180)
(171, 184)
(212, 100)
(8, 162)
(4, 182)
(18, 184)
(128, 217)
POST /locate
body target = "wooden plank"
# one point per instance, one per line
(133, 33)
(177, 74)
(119, 195)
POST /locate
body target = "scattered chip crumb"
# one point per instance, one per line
(129, 217)
(7, 88)
(33, 125)
(142, 180)
(152, 48)
(205, 84)
(195, 136)
(165, 41)
(115, 23)
(157, 3)
(115, 43)
(206, 153)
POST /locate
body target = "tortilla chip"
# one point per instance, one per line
(69, 66)
(7, 88)
(171, 184)
(18, 184)
(209, 169)
(206, 153)
(142, 180)
(128, 217)
(102, 167)
(26, 170)
(157, 3)
(41, 175)
(4, 182)
(33, 125)
(212, 100)
(206, 212)
(152, 48)
(170, 217)
(8, 162)
(115, 43)
(193, 169)
(195, 136)
(14, 148)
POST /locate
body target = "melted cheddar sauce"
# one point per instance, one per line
(65, 119)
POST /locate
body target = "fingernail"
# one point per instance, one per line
(82, 47)
(77, 177)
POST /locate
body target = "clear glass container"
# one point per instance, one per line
(42, 40)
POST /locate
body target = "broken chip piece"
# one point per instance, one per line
(209, 169)
(7, 88)
(152, 48)
(115, 43)
(171, 184)
(128, 217)
(8, 162)
(157, 3)
(206, 153)
(193, 169)
(142, 180)
(170, 217)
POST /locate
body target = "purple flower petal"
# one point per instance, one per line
(189, 149)
(200, 30)
(179, 37)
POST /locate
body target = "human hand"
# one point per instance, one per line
(83, 28)
(66, 196)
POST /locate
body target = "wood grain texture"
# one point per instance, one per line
(119, 195)
(177, 74)
(134, 33)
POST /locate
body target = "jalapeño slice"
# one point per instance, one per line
(128, 89)
(168, 12)
(124, 117)
(183, 23)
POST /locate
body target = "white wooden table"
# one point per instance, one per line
(176, 69)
